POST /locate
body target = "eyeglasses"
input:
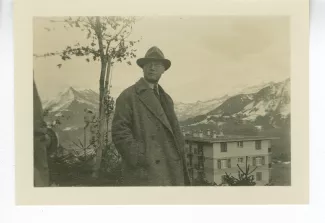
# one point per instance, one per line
(154, 64)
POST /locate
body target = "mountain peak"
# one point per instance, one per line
(70, 95)
(272, 101)
(71, 89)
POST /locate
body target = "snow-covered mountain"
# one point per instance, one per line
(69, 97)
(68, 109)
(274, 99)
(251, 110)
(252, 89)
(189, 110)
(270, 104)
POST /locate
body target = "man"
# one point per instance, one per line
(146, 132)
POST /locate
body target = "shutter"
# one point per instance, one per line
(219, 164)
(229, 163)
(263, 160)
(254, 161)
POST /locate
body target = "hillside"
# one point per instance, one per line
(68, 109)
(266, 112)
(257, 110)
(189, 110)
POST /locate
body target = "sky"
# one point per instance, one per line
(210, 56)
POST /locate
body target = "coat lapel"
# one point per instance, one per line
(148, 98)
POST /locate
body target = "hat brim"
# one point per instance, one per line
(142, 61)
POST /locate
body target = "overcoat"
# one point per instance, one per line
(146, 133)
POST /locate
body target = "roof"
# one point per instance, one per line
(228, 138)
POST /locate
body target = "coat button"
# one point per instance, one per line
(157, 161)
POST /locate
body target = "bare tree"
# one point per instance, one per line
(109, 43)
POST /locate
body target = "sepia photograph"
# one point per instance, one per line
(123, 101)
(161, 102)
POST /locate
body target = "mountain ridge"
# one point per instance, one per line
(260, 107)
(272, 98)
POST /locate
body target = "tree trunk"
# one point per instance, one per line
(108, 70)
(101, 124)
(101, 115)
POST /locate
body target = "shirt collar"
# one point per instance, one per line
(151, 85)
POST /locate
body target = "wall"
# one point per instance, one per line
(212, 152)
(248, 149)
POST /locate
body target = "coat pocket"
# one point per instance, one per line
(141, 155)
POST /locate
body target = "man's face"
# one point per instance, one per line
(153, 71)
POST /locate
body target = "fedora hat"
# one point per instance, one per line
(154, 54)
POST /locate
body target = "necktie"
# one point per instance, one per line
(155, 90)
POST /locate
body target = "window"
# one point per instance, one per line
(200, 150)
(269, 149)
(224, 164)
(258, 161)
(223, 147)
(240, 144)
(258, 145)
(240, 160)
(201, 162)
(190, 150)
(195, 150)
(258, 176)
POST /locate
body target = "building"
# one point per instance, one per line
(211, 155)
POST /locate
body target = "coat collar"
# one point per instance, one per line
(142, 85)
(148, 98)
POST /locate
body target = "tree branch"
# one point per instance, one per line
(80, 143)
(69, 50)
(253, 170)
(77, 145)
(91, 23)
(241, 170)
(47, 54)
(115, 36)
(124, 38)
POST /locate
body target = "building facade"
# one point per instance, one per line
(211, 156)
